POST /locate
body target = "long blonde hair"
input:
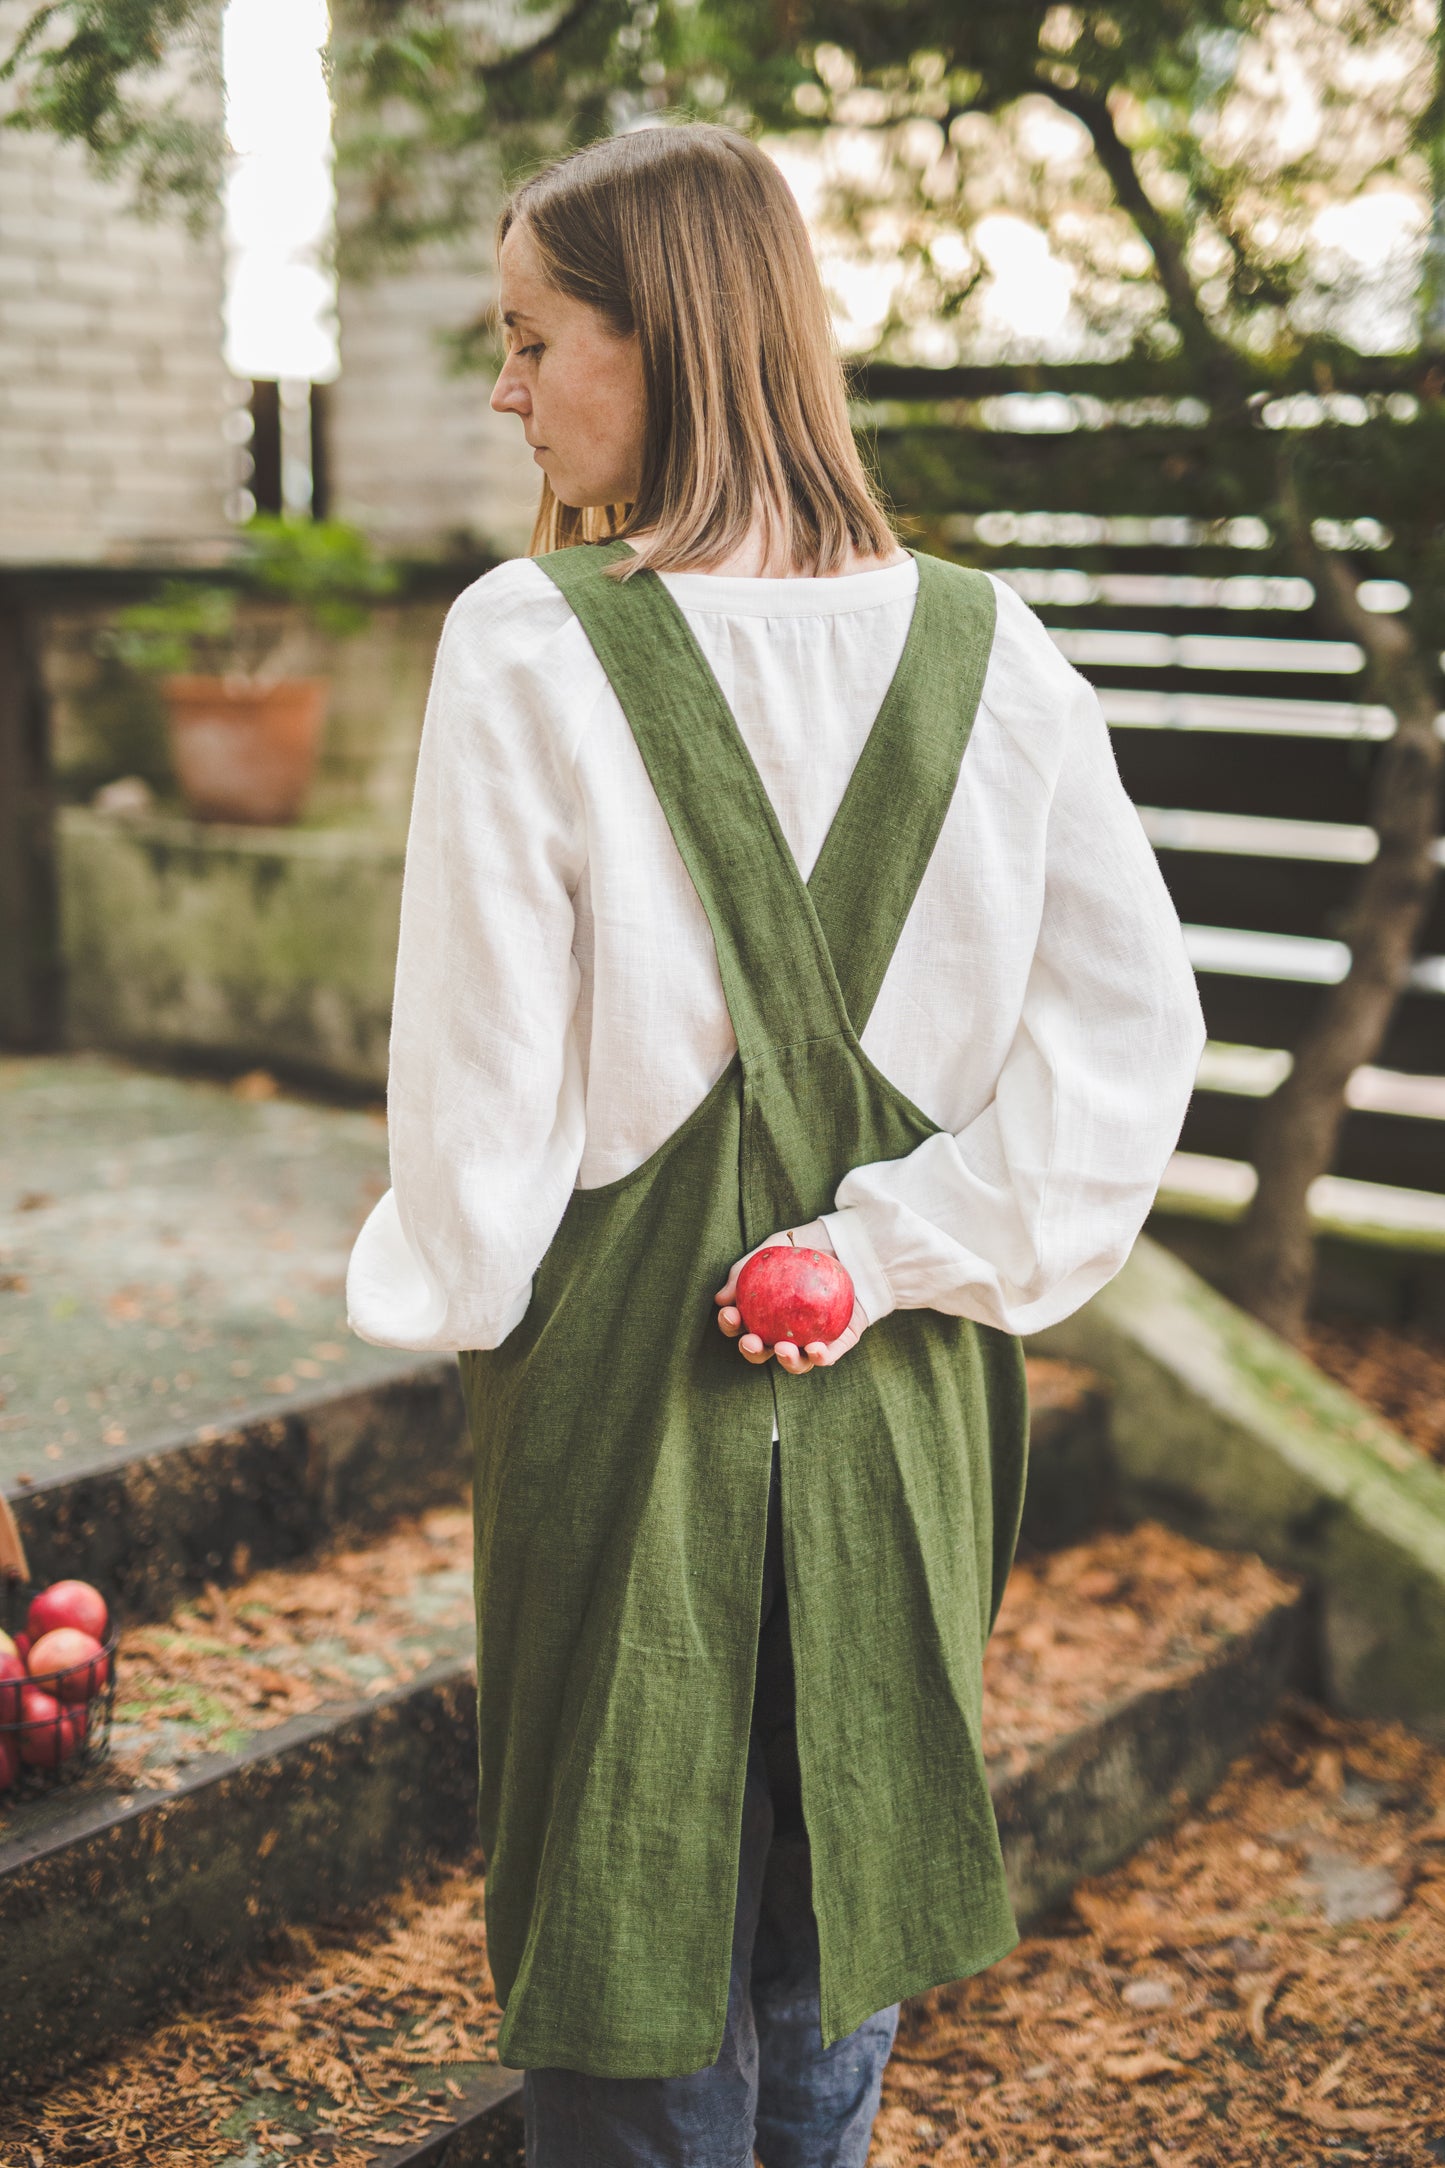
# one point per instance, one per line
(689, 236)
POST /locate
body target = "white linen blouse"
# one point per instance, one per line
(559, 1011)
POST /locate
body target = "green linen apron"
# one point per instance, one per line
(623, 1446)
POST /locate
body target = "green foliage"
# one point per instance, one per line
(1185, 115)
(182, 627)
(1182, 200)
(104, 73)
(326, 569)
(434, 115)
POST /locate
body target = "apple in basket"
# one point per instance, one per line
(74, 1663)
(9, 1762)
(789, 1294)
(51, 1732)
(12, 1673)
(67, 1603)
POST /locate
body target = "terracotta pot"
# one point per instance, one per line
(245, 752)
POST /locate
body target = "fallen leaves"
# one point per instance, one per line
(1257, 2007)
(1144, 1926)
(359, 1621)
(1330, 2078)
(342, 2024)
(1080, 1628)
(1364, 2120)
(1189, 2010)
(1145, 2063)
(1397, 1370)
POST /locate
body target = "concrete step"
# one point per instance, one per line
(475, 2121)
(1072, 1491)
(299, 1745)
(373, 2032)
(151, 1524)
(484, 2130)
(1124, 1675)
(470, 2116)
(180, 1399)
(276, 1755)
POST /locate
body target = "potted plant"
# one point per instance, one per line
(245, 714)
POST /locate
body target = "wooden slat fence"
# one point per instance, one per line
(1240, 724)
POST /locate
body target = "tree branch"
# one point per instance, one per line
(1216, 362)
(1297, 1130)
(521, 56)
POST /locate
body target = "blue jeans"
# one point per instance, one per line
(774, 2089)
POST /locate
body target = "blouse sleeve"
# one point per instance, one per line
(1026, 1212)
(485, 1100)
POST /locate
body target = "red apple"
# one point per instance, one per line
(75, 1663)
(9, 1762)
(11, 1670)
(22, 1647)
(798, 1295)
(51, 1733)
(68, 1603)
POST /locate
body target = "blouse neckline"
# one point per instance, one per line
(735, 594)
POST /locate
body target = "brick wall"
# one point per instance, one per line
(113, 393)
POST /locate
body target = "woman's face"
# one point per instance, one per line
(573, 383)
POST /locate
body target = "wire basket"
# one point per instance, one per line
(37, 1753)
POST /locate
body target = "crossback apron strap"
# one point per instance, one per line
(897, 800)
(777, 940)
(776, 971)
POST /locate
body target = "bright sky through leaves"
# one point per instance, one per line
(280, 307)
(280, 297)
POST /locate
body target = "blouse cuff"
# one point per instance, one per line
(393, 1301)
(848, 1232)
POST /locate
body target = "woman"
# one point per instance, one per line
(712, 936)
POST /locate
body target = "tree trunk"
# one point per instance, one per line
(1271, 1270)
(1298, 1128)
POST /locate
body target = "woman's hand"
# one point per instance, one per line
(818, 1354)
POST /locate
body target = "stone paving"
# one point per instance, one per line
(172, 1256)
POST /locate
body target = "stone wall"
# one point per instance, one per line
(113, 392)
(230, 947)
(1226, 1432)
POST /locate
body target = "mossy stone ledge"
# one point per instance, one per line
(1224, 1430)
